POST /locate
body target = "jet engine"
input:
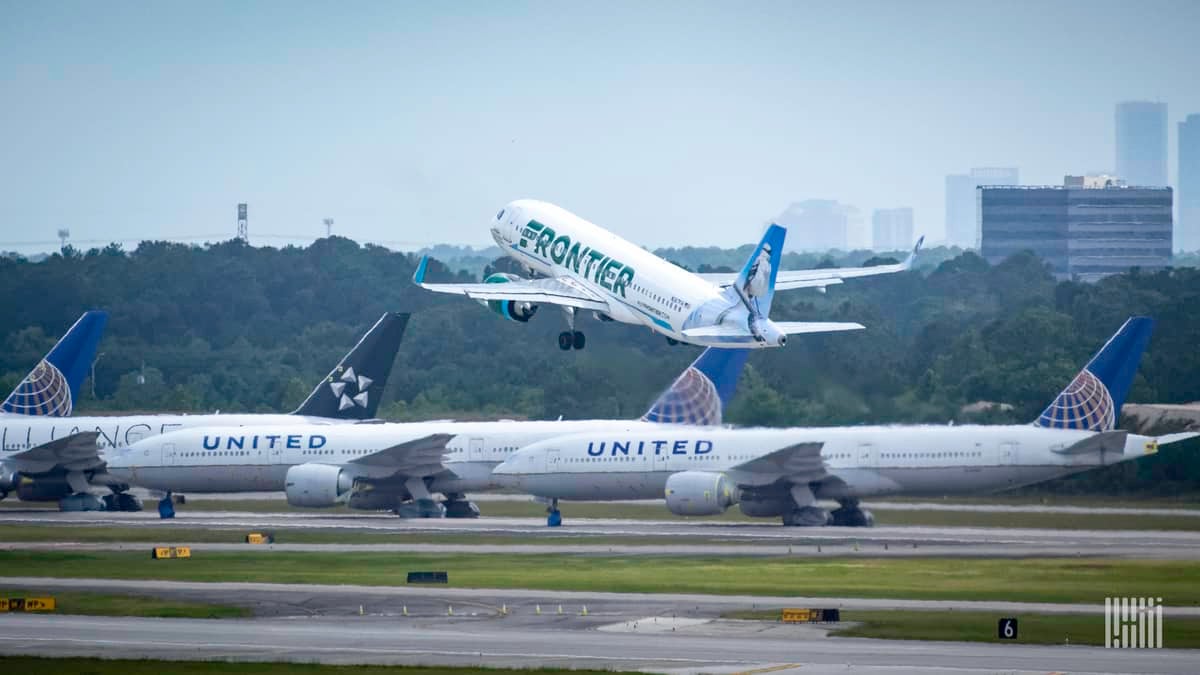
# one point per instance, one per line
(9, 480)
(700, 493)
(316, 485)
(513, 310)
(43, 489)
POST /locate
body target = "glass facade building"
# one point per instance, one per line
(1142, 143)
(1187, 229)
(961, 224)
(1084, 233)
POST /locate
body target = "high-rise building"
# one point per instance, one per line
(961, 217)
(1187, 228)
(892, 229)
(818, 224)
(1142, 143)
(1088, 228)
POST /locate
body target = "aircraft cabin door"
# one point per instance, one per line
(867, 455)
(168, 454)
(552, 460)
(1009, 461)
(475, 450)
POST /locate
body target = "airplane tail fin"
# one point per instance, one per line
(52, 387)
(699, 395)
(1093, 400)
(755, 284)
(353, 388)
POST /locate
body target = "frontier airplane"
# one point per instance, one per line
(586, 267)
(783, 472)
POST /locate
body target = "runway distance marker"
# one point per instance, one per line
(807, 615)
(428, 578)
(166, 552)
(260, 538)
(1006, 628)
(27, 604)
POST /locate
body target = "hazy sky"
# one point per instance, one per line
(670, 123)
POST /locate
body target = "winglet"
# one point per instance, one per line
(52, 387)
(699, 395)
(912, 257)
(419, 275)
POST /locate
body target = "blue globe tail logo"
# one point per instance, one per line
(43, 392)
(1085, 404)
(692, 399)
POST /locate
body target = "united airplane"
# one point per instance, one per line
(586, 267)
(784, 472)
(52, 387)
(396, 466)
(47, 459)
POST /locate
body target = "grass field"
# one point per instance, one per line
(43, 666)
(1034, 580)
(1043, 629)
(104, 604)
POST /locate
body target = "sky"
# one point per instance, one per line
(670, 123)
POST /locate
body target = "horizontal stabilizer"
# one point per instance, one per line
(1168, 439)
(798, 327)
(1105, 441)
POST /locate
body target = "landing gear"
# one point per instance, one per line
(81, 501)
(166, 507)
(571, 338)
(807, 516)
(122, 501)
(457, 506)
(553, 515)
(850, 515)
(422, 504)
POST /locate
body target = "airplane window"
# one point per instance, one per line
(500, 215)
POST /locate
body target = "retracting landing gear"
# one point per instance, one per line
(851, 515)
(571, 338)
(457, 506)
(553, 515)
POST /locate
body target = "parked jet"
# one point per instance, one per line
(783, 472)
(589, 268)
(395, 466)
(52, 387)
(58, 459)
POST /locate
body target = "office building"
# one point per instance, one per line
(1088, 228)
(961, 217)
(1187, 227)
(892, 229)
(1142, 143)
(818, 224)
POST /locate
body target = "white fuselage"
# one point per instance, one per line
(221, 459)
(857, 461)
(640, 287)
(20, 432)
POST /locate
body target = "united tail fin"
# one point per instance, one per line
(755, 284)
(52, 387)
(1092, 401)
(699, 395)
(353, 388)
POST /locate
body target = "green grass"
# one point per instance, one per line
(105, 604)
(957, 626)
(1034, 580)
(30, 665)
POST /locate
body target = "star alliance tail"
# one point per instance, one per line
(353, 388)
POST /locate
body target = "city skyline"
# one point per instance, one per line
(413, 124)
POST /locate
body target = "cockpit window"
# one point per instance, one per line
(500, 216)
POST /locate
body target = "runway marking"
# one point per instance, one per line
(770, 669)
(361, 650)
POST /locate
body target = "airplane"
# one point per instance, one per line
(395, 466)
(52, 387)
(586, 267)
(783, 472)
(46, 459)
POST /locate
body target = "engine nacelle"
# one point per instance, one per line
(42, 489)
(316, 485)
(700, 493)
(373, 500)
(765, 508)
(9, 480)
(513, 310)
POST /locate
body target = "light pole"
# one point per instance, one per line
(64, 234)
(328, 226)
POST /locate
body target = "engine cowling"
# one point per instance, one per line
(700, 493)
(316, 485)
(9, 480)
(765, 508)
(513, 310)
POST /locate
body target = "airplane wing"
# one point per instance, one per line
(419, 456)
(741, 333)
(786, 280)
(78, 451)
(559, 291)
(798, 463)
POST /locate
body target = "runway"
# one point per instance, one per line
(704, 647)
(666, 537)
